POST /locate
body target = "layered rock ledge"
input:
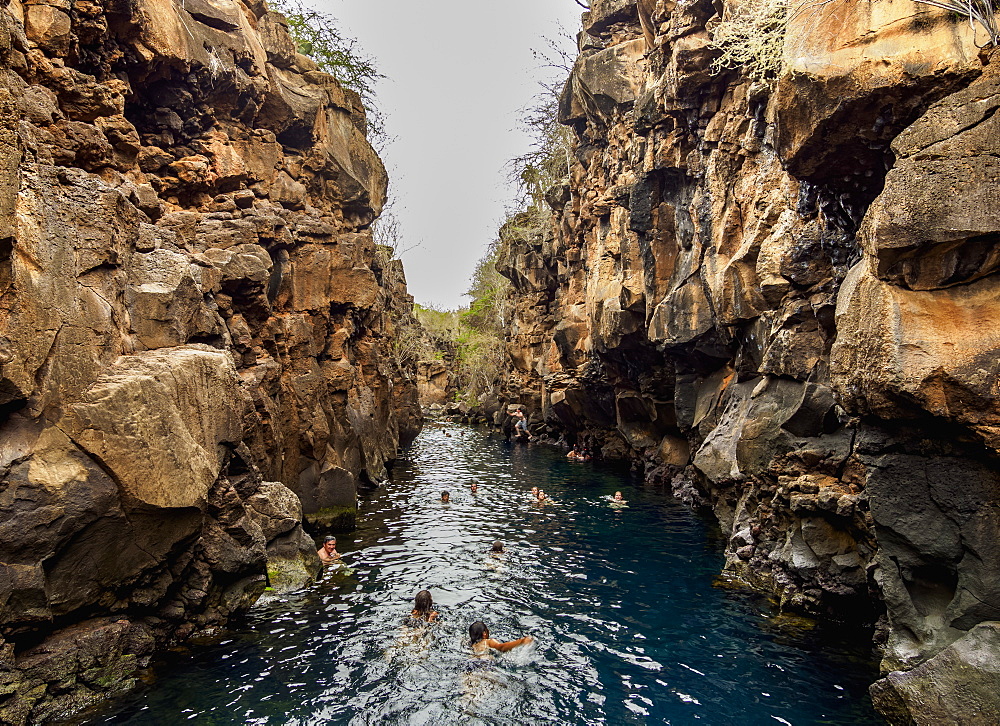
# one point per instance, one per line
(779, 297)
(195, 331)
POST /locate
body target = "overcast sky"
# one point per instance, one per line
(458, 72)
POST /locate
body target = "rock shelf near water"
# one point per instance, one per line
(195, 331)
(780, 299)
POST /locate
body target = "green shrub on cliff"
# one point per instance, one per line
(318, 36)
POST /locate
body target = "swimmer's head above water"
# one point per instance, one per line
(445, 496)
(423, 601)
(498, 546)
(422, 604)
(478, 631)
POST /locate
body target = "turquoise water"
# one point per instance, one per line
(628, 626)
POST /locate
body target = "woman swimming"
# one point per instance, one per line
(479, 635)
(422, 604)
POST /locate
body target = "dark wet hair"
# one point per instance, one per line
(477, 631)
(422, 602)
(329, 538)
(498, 546)
(445, 494)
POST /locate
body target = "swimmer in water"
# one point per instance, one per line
(572, 453)
(542, 498)
(445, 497)
(497, 548)
(479, 635)
(422, 604)
(617, 502)
(474, 487)
(534, 492)
(328, 552)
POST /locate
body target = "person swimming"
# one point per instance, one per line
(445, 497)
(497, 548)
(534, 492)
(617, 501)
(473, 487)
(483, 644)
(422, 608)
(328, 552)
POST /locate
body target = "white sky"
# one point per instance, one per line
(458, 72)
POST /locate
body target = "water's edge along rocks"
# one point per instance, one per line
(779, 300)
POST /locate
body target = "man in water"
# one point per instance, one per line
(498, 547)
(445, 497)
(534, 492)
(328, 552)
(474, 487)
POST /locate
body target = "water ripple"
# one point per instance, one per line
(627, 624)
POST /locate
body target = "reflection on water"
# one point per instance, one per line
(628, 627)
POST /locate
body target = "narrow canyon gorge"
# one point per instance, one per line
(772, 292)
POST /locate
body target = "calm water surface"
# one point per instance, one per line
(629, 628)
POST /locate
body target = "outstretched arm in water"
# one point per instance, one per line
(509, 645)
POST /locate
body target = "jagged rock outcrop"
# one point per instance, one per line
(778, 297)
(194, 331)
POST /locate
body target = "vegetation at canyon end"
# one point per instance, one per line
(472, 339)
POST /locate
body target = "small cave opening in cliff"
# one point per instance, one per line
(13, 401)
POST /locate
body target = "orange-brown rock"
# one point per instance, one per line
(779, 296)
(195, 330)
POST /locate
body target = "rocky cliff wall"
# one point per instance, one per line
(779, 297)
(195, 330)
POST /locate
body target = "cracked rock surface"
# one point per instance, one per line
(195, 331)
(780, 300)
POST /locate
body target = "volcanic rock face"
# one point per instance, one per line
(193, 330)
(780, 296)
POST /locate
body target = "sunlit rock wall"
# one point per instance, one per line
(780, 298)
(195, 330)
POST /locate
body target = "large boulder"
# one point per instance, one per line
(960, 685)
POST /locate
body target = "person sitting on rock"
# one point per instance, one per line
(422, 604)
(445, 497)
(328, 552)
